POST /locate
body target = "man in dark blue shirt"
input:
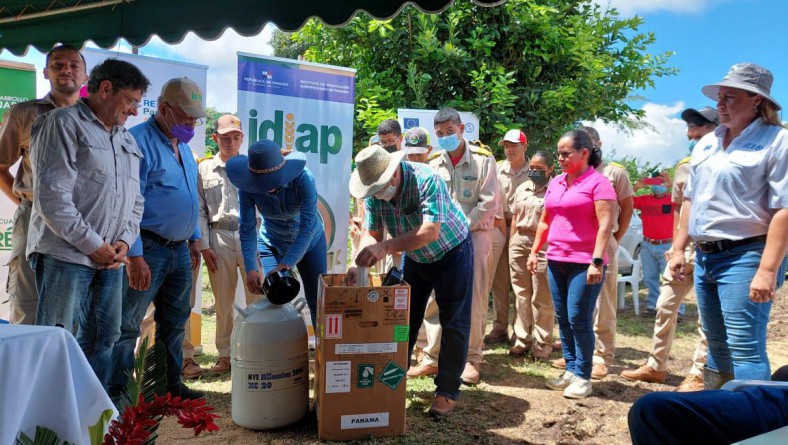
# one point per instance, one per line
(162, 258)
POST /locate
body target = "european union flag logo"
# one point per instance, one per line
(411, 122)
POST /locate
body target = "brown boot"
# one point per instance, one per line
(497, 336)
(518, 350)
(442, 406)
(470, 376)
(222, 365)
(559, 363)
(191, 370)
(599, 371)
(422, 370)
(692, 383)
(645, 374)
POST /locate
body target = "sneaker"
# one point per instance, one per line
(578, 389)
(222, 365)
(497, 336)
(692, 383)
(599, 371)
(559, 363)
(442, 406)
(645, 374)
(185, 392)
(191, 370)
(422, 370)
(560, 383)
(470, 376)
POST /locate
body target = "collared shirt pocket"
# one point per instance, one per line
(749, 156)
(533, 209)
(213, 194)
(468, 189)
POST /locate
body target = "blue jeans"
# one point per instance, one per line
(72, 294)
(171, 283)
(735, 327)
(311, 266)
(653, 259)
(707, 417)
(451, 277)
(574, 302)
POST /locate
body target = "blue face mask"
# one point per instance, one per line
(449, 143)
(659, 189)
(691, 145)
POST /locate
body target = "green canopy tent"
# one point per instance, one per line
(44, 23)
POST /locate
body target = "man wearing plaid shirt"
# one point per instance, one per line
(413, 204)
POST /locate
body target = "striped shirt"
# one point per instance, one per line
(424, 198)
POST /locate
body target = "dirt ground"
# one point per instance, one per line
(511, 405)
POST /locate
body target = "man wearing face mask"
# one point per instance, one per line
(512, 172)
(673, 292)
(390, 135)
(471, 177)
(162, 258)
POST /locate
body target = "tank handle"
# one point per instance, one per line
(299, 304)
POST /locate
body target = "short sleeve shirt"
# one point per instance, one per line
(424, 198)
(572, 217)
(735, 191)
(657, 216)
(680, 178)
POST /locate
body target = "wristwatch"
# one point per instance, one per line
(598, 262)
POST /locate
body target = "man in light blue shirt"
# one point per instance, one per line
(162, 258)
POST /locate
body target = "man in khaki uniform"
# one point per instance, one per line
(672, 292)
(65, 71)
(221, 248)
(511, 173)
(607, 304)
(470, 175)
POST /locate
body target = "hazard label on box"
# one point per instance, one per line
(333, 326)
(392, 375)
(400, 299)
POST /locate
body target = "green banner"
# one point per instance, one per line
(17, 84)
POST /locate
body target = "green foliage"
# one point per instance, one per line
(210, 126)
(44, 436)
(148, 379)
(540, 65)
(96, 432)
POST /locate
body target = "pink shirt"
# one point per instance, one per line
(572, 216)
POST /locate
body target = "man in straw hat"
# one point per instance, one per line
(413, 204)
(283, 190)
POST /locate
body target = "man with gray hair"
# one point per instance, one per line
(86, 208)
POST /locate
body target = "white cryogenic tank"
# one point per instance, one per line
(270, 366)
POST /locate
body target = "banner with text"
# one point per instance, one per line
(305, 107)
(410, 118)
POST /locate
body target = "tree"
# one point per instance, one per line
(539, 65)
(210, 125)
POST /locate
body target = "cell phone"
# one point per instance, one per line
(652, 181)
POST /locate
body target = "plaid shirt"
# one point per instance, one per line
(424, 198)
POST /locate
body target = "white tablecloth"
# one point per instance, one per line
(45, 380)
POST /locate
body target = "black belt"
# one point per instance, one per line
(726, 244)
(153, 236)
(657, 242)
(227, 225)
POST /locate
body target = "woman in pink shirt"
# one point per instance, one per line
(577, 223)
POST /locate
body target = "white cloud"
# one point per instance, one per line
(665, 143)
(632, 7)
(219, 55)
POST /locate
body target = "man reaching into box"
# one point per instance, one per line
(413, 204)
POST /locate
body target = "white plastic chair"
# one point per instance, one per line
(633, 279)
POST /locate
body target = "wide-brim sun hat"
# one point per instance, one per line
(374, 169)
(265, 168)
(744, 76)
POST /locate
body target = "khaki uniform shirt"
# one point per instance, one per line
(218, 197)
(680, 179)
(527, 208)
(620, 180)
(15, 141)
(508, 181)
(472, 184)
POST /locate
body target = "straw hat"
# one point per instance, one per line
(374, 169)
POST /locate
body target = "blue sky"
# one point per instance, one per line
(708, 36)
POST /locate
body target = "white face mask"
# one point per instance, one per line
(387, 194)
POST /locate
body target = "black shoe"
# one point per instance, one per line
(680, 318)
(185, 392)
(648, 313)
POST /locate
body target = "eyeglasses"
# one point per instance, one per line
(565, 154)
(130, 101)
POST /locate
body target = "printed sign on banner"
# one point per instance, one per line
(305, 107)
(410, 118)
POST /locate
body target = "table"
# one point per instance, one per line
(45, 380)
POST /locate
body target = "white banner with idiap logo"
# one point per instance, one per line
(305, 107)
(411, 118)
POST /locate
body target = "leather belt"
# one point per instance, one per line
(726, 244)
(225, 225)
(153, 236)
(657, 242)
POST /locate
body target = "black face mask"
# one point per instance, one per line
(538, 177)
(391, 148)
